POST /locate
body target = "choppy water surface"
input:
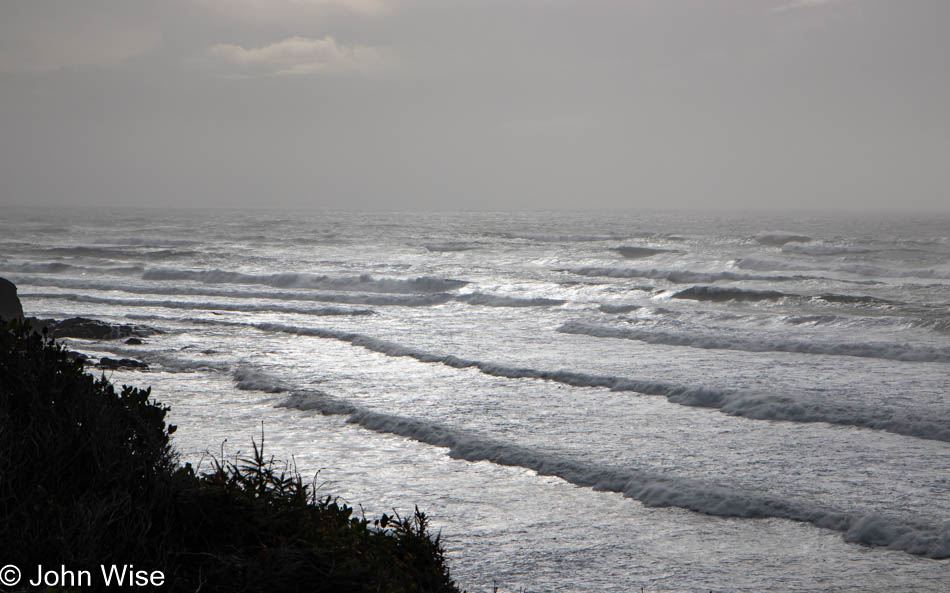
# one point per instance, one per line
(583, 402)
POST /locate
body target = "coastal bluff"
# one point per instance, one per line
(10, 307)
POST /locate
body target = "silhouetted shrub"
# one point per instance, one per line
(87, 477)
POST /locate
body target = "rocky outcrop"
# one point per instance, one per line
(123, 363)
(78, 357)
(10, 307)
(77, 327)
(87, 329)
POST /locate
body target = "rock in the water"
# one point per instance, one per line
(633, 252)
(134, 342)
(123, 363)
(10, 307)
(73, 355)
(87, 329)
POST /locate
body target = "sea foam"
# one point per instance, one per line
(884, 350)
(741, 403)
(410, 300)
(654, 490)
(361, 283)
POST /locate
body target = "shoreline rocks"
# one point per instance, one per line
(10, 306)
(88, 329)
(77, 327)
(123, 363)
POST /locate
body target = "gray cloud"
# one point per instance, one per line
(529, 104)
(56, 43)
(294, 55)
(803, 4)
(277, 10)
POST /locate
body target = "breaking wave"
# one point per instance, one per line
(880, 321)
(848, 299)
(196, 306)
(633, 252)
(929, 321)
(44, 268)
(763, 265)
(746, 404)
(883, 350)
(679, 276)
(767, 265)
(355, 298)
(252, 379)
(561, 238)
(878, 271)
(111, 253)
(492, 300)
(455, 246)
(62, 267)
(653, 490)
(146, 241)
(815, 319)
(778, 238)
(610, 308)
(361, 283)
(822, 249)
(475, 298)
(728, 293)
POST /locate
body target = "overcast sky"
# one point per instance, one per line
(713, 104)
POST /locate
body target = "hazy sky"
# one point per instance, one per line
(476, 104)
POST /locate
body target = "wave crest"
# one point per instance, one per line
(413, 300)
(778, 238)
(678, 276)
(494, 300)
(635, 252)
(252, 379)
(197, 306)
(822, 249)
(746, 404)
(881, 350)
(728, 293)
(361, 283)
(650, 489)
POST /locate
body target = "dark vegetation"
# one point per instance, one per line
(88, 477)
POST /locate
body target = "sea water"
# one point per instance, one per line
(580, 401)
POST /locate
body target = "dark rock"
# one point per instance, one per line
(134, 342)
(10, 307)
(123, 363)
(91, 329)
(726, 293)
(73, 355)
(87, 329)
(632, 252)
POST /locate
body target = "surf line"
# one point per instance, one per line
(739, 403)
(748, 404)
(651, 490)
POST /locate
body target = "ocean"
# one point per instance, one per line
(581, 401)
